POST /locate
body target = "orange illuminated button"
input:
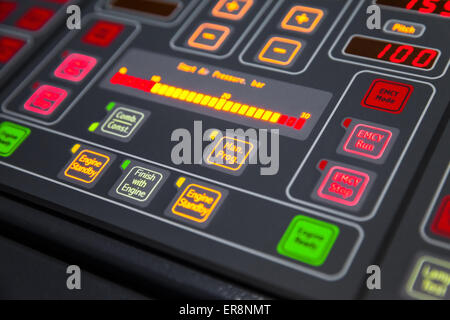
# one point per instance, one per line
(302, 19)
(196, 203)
(87, 166)
(230, 153)
(232, 9)
(280, 51)
(209, 36)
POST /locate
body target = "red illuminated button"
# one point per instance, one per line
(45, 100)
(103, 33)
(6, 7)
(343, 185)
(75, 67)
(35, 18)
(368, 141)
(441, 224)
(9, 48)
(387, 96)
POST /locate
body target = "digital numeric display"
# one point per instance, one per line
(437, 7)
(393, 52)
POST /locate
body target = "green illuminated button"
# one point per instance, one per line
(11, 137)
(308, 240)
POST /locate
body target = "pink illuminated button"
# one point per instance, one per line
(368, 141)
(45, 100)
(343, 185)
(75, 67)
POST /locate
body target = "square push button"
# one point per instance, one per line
(209, 36)
(45, 100)
(280, 51)
(11, 137)
(232, 9)
(9, 47)
(441, 223)
(387, 96)
(230, 153)
(196, 202)
(103, 33)
(139, 183)
(302, 19)
(343, 186)
(35, 18)
(75, 67)
(368, 141)
(123, 122)
(430, 279)
(308, 240)
(86, 167)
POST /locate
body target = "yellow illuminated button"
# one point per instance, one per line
(87, 166)
(196, 203)
(209, 36)
(230, 153)
(232, 9)
(302, 19)
(280, 51)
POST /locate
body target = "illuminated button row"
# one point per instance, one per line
(34, 18)
(223, 103)
(307, 240)
(365, 141)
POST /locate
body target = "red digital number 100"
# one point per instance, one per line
(403, 52)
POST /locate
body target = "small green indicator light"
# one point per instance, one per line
(110, 106)
(11, 137)
(125, 164)
(93, 127)
(308, 240)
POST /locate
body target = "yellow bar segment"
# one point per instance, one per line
(205, 100)
(228, 106)
(236, 107)
(191, 96)
(275, 117)
(267, 115)
(220, 104)
(156, 88)
(259, 114)
(212, 103)
(184, 94)
(243, 109)
(251, 111)
(198, 98)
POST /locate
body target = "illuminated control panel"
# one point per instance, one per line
(25, 25)
(276, 143)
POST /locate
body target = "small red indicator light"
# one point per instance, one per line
(322, 165)
(347, 122)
